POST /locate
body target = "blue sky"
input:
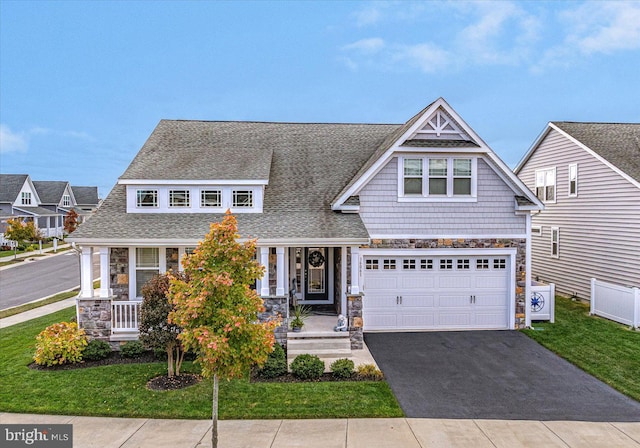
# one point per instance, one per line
(83, 84)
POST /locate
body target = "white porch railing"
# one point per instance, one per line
(543, 301)
(124, 316)
(615, 302)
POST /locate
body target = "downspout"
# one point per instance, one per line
(527, 275)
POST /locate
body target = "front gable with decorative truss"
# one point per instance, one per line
(437, 157)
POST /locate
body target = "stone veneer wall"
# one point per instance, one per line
(442, 243)
(119, 270)
(354, 308)
(95, 317)
(276, 306)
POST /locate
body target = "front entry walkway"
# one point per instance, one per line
(491, 375)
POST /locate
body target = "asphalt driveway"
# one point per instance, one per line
(491, 375)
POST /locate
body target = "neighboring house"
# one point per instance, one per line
(415, 226)
(588, 176)
(46, 203)
(87, 201)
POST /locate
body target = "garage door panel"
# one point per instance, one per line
(377, 302)
(456, 301)
(490, 319)
(417, 282)
(494, 300)
(382, 321)
(454, 319)
(418, 301)
(382, 282)
(490, 282)
(454, 281)
(424, 319)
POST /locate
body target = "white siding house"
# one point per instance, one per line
(588, 176)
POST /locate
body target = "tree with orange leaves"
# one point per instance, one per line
(217, 309)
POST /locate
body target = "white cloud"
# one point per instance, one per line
(426, 56)
(12, 141)
(372, 45)
(369, 15)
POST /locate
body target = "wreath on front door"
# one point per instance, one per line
(316, 259)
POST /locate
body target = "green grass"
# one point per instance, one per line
(119, 390)
(605, 349)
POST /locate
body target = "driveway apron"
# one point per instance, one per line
(491, 375)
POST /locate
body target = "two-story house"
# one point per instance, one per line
(414, 226)
(588, 176)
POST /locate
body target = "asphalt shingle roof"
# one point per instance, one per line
(85, 195)
(50, 191)
(309, 164)
(10, 186)
(618, 143)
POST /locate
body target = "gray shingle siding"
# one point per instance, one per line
(492, 214)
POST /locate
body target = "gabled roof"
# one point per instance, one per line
(10, 186)
(86, 195)
(436, 127)
(616, 144)
(50, 191)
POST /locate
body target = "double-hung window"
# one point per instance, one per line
(26, 197)
(437, 178)
(147, 265)
(555, 242)
(179, 198)
(546, 185)
(147, 198)
(573, 180)
(66, 200)
(413, 177)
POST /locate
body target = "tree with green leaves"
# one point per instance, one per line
(155, 330)
(217, 309)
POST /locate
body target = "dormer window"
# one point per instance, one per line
(210, 198)
(66, 200)
(447, 178)
(147, 198)
(242, 198)
(25, 196)
(179, 198)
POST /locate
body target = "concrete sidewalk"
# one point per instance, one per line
(37, 312)
(339, 433)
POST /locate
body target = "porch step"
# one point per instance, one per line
(328, 346)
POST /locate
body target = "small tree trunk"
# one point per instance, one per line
(214, 415)
(170, 361)
(179, 358)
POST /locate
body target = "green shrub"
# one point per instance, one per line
(342, 368)
(32, 247)
(369, 372)
(307, 367)
(60, 344)
(96, 350)
(132, 349)
(276, 364)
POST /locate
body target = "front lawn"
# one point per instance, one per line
(119, 390)
(605, 349)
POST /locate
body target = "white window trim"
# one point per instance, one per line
(210, 190)
(25, 198)
(544, 186)
(66, 200)
(252, 200)
(139, 204)
(569, 194)
(555, 239)
(425, 196)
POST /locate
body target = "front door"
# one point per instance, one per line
(316, 273)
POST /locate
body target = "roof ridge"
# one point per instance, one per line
(279, 122)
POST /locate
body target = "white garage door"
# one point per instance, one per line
(436, 293)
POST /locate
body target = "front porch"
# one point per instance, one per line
(323, 277)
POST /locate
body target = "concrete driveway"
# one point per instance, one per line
(491, 375)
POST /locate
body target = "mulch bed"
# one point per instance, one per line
(177, 382)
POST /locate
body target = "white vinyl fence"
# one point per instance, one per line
(615, 302)
(543, 301)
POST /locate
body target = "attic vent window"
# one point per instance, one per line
(66, 200)
(26, 197)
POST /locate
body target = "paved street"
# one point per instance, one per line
(45, 276)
